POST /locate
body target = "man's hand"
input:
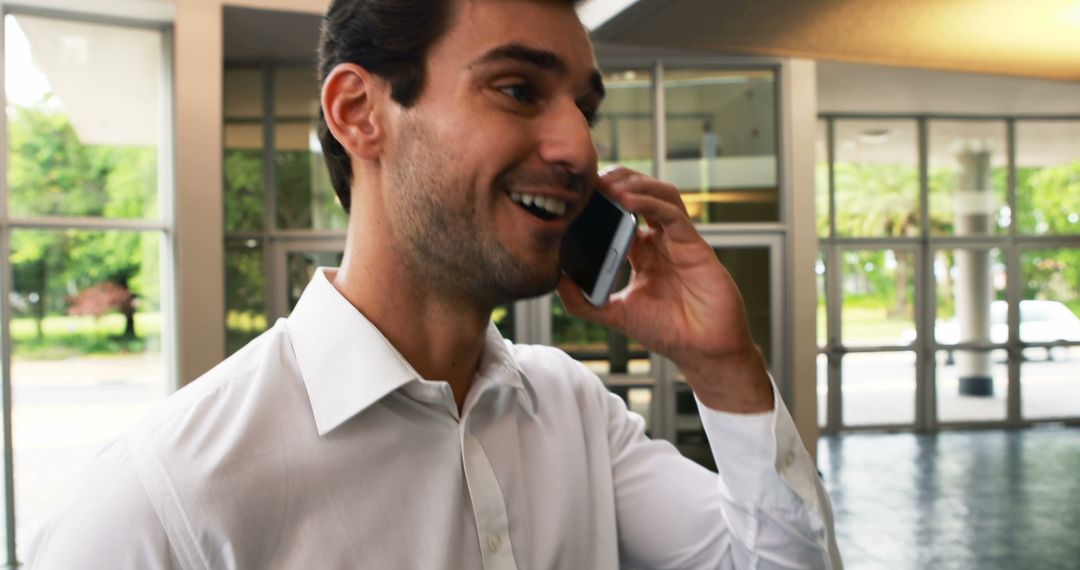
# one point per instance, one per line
(680, 301)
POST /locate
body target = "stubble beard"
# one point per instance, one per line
(447, 242)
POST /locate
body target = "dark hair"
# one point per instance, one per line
(389, 38)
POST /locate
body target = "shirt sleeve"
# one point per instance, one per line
(108, 523)
(765, 508)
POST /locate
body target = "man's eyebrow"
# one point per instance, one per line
(518, 52)
(543, 59)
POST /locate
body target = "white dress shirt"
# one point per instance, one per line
(318, 446)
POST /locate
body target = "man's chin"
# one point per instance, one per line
(527, 286)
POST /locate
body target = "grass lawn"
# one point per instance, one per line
(64, 336)
(864, 325)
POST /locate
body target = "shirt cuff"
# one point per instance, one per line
(759, 457)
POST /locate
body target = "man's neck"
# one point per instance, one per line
(440, 336)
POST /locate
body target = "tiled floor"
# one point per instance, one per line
(980, 500)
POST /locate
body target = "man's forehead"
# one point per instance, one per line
(542, 25)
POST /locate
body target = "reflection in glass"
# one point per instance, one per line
(305, 196)
(877, 178)
(956, 404)
(968, 178)
(878, 388)
(1047, 175)
(83, 118)
(245, 292)
(244, 183)
(878, 307)
(301, 267)
(85, 321)
(721, 143)
(623, 134)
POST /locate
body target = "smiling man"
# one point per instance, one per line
(386, 424)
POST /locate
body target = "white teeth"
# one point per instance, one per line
(553, 205)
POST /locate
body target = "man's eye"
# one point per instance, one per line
(520, 92)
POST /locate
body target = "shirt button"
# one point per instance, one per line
(789, 459)
(494, 543)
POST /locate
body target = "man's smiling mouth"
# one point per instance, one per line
(543, 207)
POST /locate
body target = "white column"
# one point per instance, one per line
(973, 208)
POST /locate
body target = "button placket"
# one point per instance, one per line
(489, 506)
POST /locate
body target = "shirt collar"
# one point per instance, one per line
(347, 364)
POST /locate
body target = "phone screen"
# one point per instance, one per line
(588, 240)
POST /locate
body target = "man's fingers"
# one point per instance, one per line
(576, 304)
(671, 218)
(639, 184)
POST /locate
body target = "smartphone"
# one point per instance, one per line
(595, 245)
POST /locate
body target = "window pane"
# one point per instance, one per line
(721, 143)
(623, 134)
(972, 385)
(968, 178)
(503, 317)
(690, 437)
(301, 267)
(1051, 305)
(603, 351)
(822, 389)
(83, 118)
(877, 178)
(878, 298)
(244, 177)
(750, 269)
(296, 93)
(243, 93)
(86, 354)
(822, 312)
(245, 292)
(1051, 388)
(305, 196)
(1048, 177)
(1050, 312)
(821, 179)
(878, 388)
(971, 305)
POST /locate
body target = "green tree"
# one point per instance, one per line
(52, 173)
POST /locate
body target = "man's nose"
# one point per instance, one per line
(567, 140)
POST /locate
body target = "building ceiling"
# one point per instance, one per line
(1032, 38)
(268, 35)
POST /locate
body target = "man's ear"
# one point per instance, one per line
(352, 100)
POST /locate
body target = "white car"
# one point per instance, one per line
(1040, 321)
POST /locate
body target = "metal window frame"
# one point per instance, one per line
(1013, 244)
(164, 224)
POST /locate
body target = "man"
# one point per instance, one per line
(385, 424)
